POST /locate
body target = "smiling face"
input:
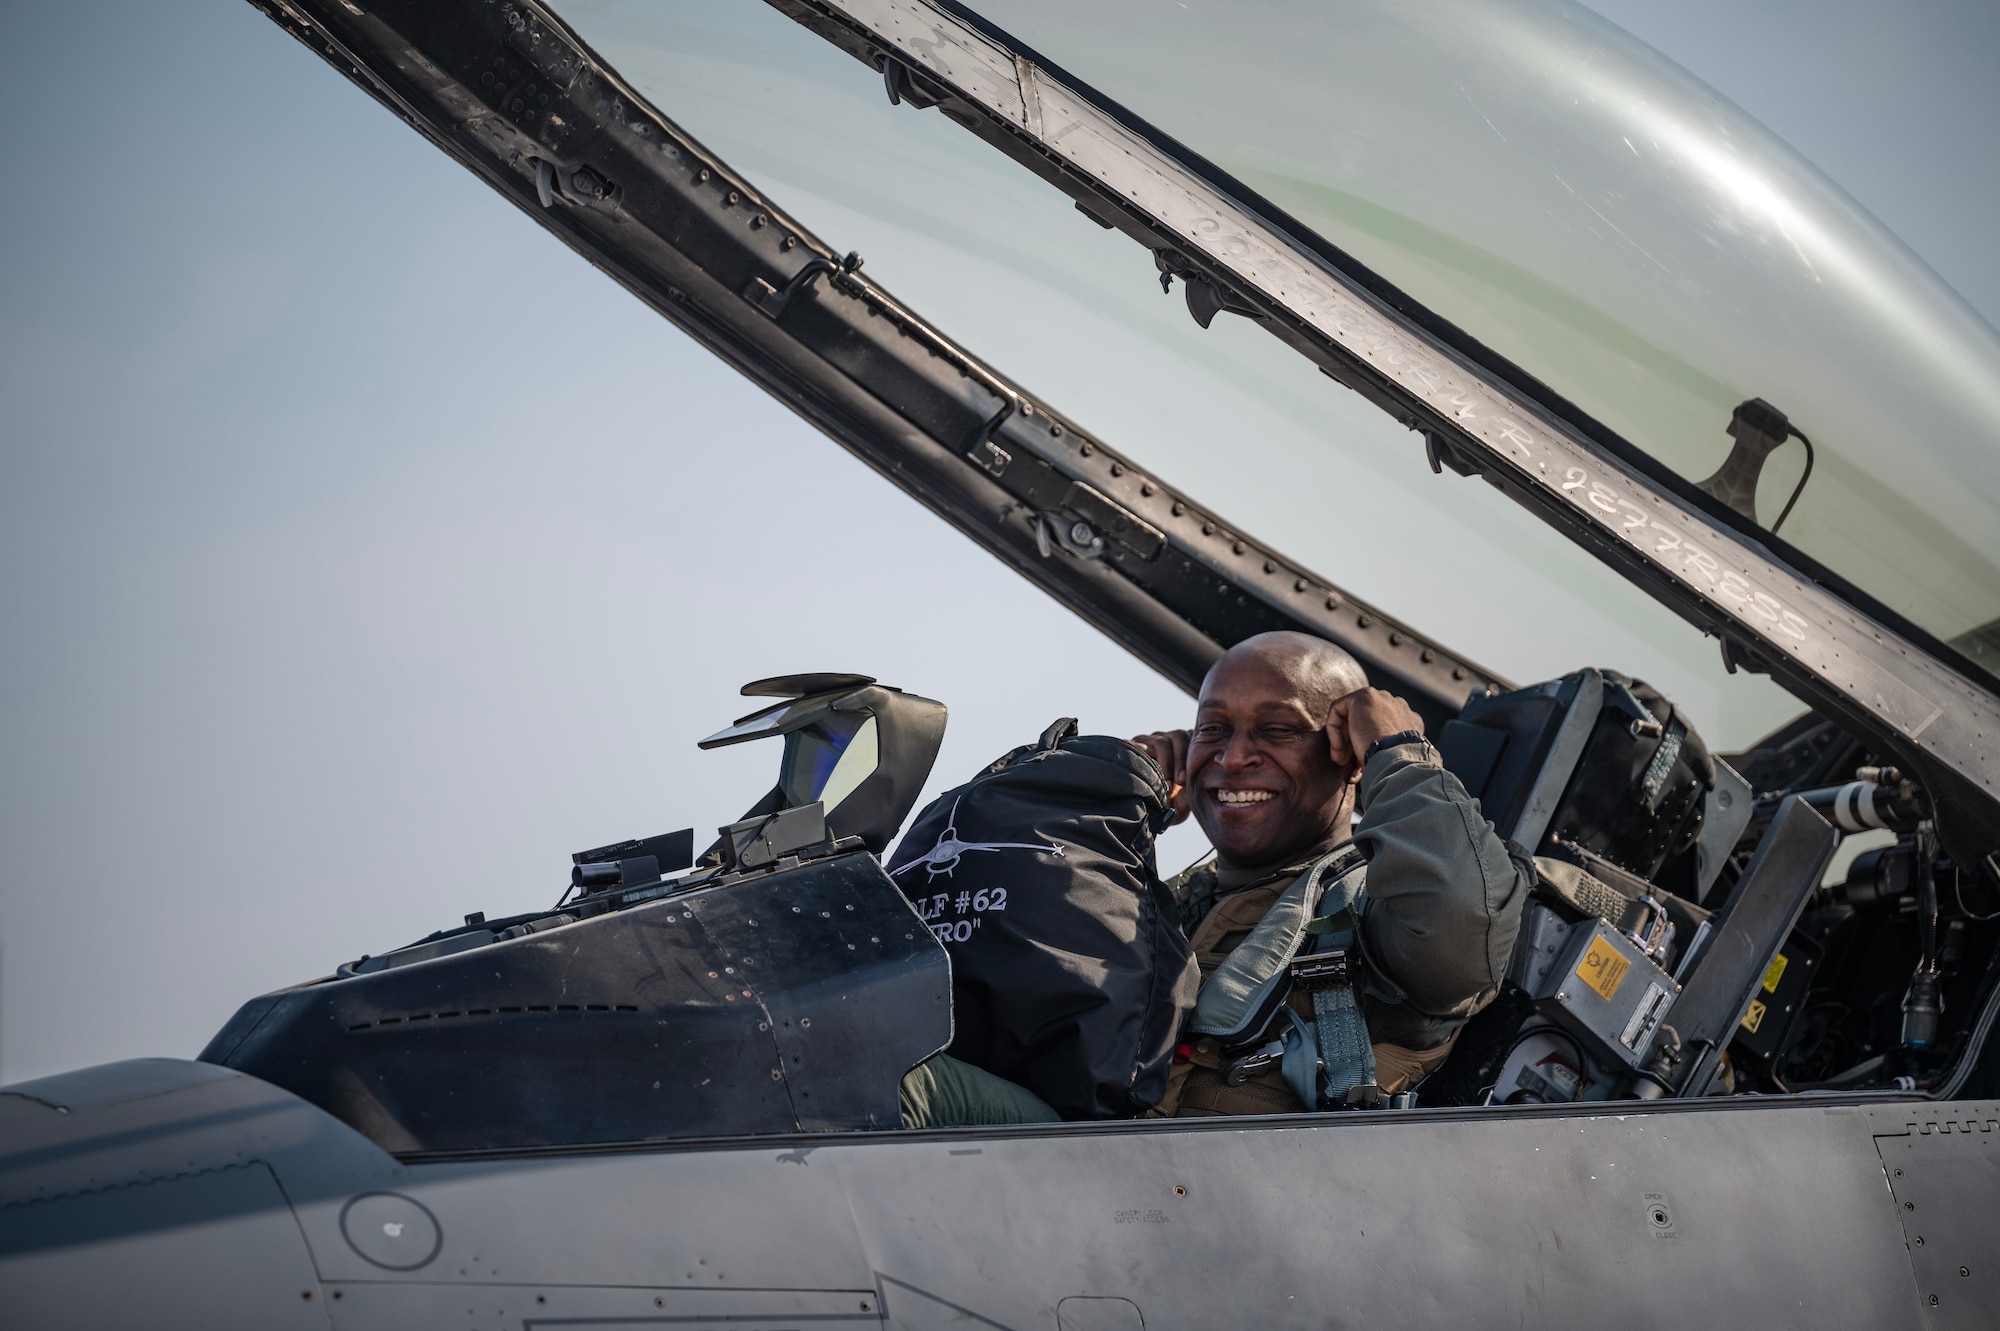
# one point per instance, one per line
(1262, 783)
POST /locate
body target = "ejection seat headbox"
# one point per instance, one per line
(1601, 762)
(1640, 951)
(1600, 778)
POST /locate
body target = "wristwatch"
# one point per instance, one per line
(1392, 741)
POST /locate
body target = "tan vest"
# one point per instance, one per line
(1198, 1084)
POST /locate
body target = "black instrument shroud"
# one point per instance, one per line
(769, 1003)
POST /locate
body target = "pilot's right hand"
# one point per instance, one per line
(1169, 749)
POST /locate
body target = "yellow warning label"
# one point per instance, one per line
(1602, 968)
(1755, 1016)
(1773, 975)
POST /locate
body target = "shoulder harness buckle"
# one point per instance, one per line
(1321, 970)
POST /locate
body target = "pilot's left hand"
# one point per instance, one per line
(1362, 717)
(1169, 749)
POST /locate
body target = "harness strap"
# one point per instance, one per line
(1346, 1055)
(1338, 1056)
(1241, 996)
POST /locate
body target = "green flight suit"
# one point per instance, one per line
(944, 1092)
(1443, 904)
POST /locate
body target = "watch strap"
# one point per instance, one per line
(1401, 737)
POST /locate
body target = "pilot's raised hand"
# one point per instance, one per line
(1361, 718)
(1169, 749)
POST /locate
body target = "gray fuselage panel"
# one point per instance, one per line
(1699, 1214)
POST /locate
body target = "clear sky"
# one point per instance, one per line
(363, 551)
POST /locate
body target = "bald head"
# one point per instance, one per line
(1317, 671)
(1262, 780)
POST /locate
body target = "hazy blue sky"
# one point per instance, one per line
(363, 551)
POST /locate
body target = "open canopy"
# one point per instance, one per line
(1579, 345)
(1592, 212)
(1534, 175)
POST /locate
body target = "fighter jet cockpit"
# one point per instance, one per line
(1688, 373)
(1680, 943)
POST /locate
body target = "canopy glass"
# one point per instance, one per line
(1590, 210)
(1633, 289)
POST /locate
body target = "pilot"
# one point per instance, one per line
(1292, 757)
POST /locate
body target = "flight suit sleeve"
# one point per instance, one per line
(1444, 897)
